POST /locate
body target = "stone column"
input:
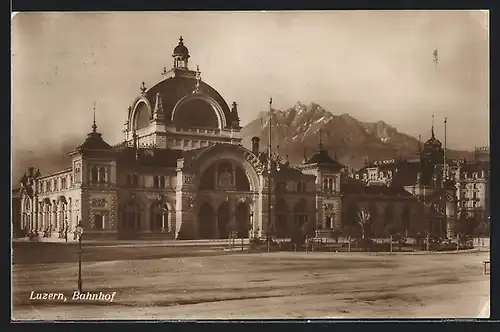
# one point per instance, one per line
(163, 221)
(233, 175)
(450, 217)
(34, 222)
(216, 174)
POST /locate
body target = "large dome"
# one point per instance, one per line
(173, 89)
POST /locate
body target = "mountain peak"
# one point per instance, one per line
(354, 141)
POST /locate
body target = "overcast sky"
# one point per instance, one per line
(373, 65)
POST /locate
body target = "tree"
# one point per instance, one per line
(364, 220)
(364, 223)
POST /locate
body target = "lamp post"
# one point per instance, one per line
(269, 184)
(79, 232)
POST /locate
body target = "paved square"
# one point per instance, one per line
(259, 285)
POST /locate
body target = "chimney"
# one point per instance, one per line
(255, 145)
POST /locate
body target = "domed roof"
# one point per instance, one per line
(94, 141)
(175, 88)
(181, 50)
(432, 143)
(323, 158)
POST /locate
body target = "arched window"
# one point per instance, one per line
(330, 185)
(207, 181)
(93, 174)
(162, 182)
(142, 116)
(27, 205)
(102, 175)
(156, 181)
(242, 182)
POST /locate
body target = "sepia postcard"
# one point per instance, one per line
(250, 165)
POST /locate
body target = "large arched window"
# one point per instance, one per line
(207, 181)
(196, 113)
(242, 182)
(141, 116)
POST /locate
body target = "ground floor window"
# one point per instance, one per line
(98, 221)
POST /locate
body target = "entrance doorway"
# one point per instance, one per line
(223, 219)
(243, 219)
(206, 222)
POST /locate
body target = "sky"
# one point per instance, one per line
(374, 65)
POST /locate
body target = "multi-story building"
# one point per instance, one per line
(181, 172)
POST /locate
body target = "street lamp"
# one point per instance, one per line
(79, 232)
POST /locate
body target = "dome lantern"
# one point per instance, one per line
(181, 55)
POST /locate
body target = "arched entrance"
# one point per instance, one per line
(243, 219)
(131, 219)
(206, 222)
(223, 219)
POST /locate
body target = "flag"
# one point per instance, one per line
(435, 55)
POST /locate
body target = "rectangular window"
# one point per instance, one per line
(162, 182)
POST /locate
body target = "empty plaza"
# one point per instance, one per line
(170, 282)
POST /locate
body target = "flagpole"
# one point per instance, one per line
(445, 161)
